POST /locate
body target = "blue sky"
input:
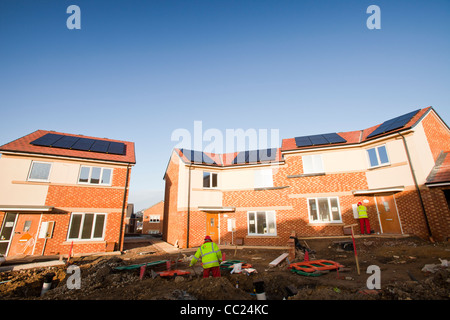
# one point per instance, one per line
(138, 70)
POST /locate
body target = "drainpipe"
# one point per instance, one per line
(123, 209)
(417, 187)
(189, 207)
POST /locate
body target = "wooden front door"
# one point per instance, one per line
(387, 212)
(212, 226)
(24, 237)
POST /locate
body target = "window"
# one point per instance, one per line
(378, 156)
(87, 226)
(263, 178)
(209, 180)
(39, 171)
(312, 164)
(261, 223)
(95, 175)
(154, 219)
(324, 210)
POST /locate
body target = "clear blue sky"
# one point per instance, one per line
(138, 70)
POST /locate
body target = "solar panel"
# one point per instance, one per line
(392, 124)
(197, 156)
(255, 156)
(334, 138)
(83, 144)
(303, 142)
(65, 142)
(319, 139)
(47, 140)
(116, 148)
(100, 146)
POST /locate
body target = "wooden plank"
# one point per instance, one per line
(277, 261)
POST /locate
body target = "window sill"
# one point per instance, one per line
(321, 224)
(270, 188)
(380, 166)
(262, 236)
(306, 175)
(69, 242)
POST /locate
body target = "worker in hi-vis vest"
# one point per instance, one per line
(211, 258)
(363, 218)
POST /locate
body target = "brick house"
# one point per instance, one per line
(60, 190)
(311, 185)
(152, 219)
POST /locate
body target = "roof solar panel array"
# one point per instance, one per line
(261, 155)
(197, 156)
(392, 124)
(82, 144)
(319, 139)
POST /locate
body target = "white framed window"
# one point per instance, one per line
(209, 180)
(324, 210)
(152, 231)
(39, 171)
(377, 156)
(263, 178)
(95, 175)
(87, 226)
(312, 164)
(262, 223)
(154, 218)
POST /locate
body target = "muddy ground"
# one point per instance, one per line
(400, 260)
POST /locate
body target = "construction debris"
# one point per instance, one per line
(278, 260)
(135, 276)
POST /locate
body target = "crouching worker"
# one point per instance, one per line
(211, 258)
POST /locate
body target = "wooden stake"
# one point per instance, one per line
(354, 246)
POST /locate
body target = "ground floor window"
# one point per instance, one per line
(261, 223)
(324, 210)
(87, 226)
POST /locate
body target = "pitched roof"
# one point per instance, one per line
(23, 145)
(359, 136)
(441, 170)
(226, 159)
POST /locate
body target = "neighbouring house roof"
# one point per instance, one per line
(24, 145)
(360, 136)
(234, 159)
(440, 174)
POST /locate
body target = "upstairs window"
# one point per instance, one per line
(154, 219)
(40, 171)
(378, 156)
(209, 180)
(95, 175)
(312, 164)
(263, 178)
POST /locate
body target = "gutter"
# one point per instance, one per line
(417, 187)
(123, 209)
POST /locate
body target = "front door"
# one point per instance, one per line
(24, 237)
(387, 212)
(212, 226)
(7, 232)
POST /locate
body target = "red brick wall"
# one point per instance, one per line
(85, 197)
(174, 222)
(437, 135)
(157, 209)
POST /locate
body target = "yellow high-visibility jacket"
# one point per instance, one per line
(362, 212)
(210, 254)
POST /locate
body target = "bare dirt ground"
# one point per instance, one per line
(400, 260)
